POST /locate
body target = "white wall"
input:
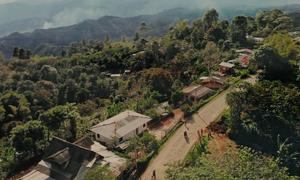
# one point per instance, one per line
(110, 141)
(133, 133)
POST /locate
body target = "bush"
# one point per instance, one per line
(99, 172)
(243, 164)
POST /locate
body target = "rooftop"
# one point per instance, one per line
(122, 123)
(226, 64)
(62, 160)
(190, 89)
(248, 51)
(201, 92)
(211, 79)
(196, 91)
(115, 163)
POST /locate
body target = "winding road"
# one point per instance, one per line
(176, 148)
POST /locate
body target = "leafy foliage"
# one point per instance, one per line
(245, 164)
(259, 113)
(31, 137)
(62, 120)
(286, 46)
(99, 172)
(273, 65)
(146, 143)
(272, 21)
(65, 95)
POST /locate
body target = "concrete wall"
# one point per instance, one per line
(102, 139)
(132, 134)
(110, 141)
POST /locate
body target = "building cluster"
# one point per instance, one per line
(217, 80)
(63, 160)
(68, 161)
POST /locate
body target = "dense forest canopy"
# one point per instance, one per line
(64, 95)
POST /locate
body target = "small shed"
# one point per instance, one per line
(226, 68)
(245, 51)
(196, 92)
(212, 82)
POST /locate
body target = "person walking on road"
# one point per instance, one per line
(153, 175)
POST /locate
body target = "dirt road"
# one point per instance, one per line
(176, 148)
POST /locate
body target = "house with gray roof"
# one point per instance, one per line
(196, 92)
(226, 68)
(63, 160)
(120, 128)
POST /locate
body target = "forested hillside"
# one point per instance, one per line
(63, 96)
(47, 41)
(54, 41)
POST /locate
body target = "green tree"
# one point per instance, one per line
(31, 138)
(49, 73)
(215, 34)
(146, 143)
(239, 30)
(22, 53)
(2, 114)
(99, 172)
(210, 18)
(286, 46)
(114, 109)
(251, 25)
(272, 21)
(62, 120)
(211, 56)
(143, 29)
(159, 79)
(15, 107)
(44, 95)
(176, 97)
(181, 30)
(259, 113)
(273, 65)
(16, 52)
(197, 37)
(244, 164)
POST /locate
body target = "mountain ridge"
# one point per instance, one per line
(114, 26)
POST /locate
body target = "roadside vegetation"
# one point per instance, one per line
(263, 118)
(64, 96)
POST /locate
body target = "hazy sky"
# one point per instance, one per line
(67, 12)
(171, 1)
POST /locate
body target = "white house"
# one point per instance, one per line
(120, 128)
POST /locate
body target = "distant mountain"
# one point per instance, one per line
(115, 27)
(290, 8)
(25, 25)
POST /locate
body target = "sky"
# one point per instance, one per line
(68, 12)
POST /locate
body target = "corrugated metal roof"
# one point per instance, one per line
(124, 123)
(190, 89)
(225, 64)
(201, 92)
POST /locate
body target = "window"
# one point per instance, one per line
(121, 139)
(98, 136)
(144, 125)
